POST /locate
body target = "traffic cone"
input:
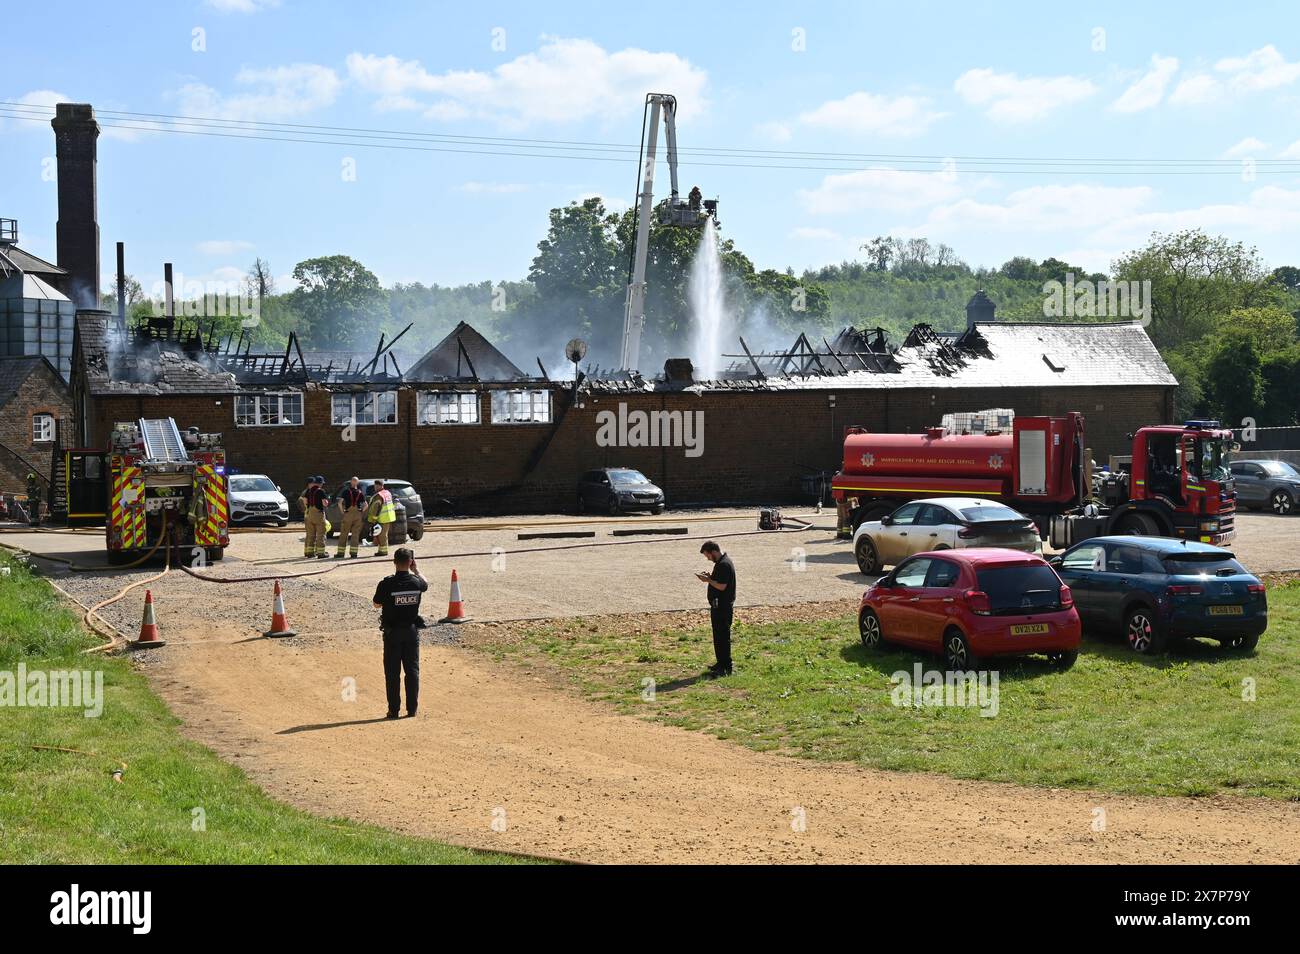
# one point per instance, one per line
(455, 605)
(149, 637)
(279, 625)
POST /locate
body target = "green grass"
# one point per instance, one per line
(1173, 725)
(61, 807)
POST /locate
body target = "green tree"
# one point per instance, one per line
(1271, 328)
(1281, 379)
(1196, 279)
(1234, 386)
(339, 303)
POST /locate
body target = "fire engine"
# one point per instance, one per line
(1179, 484)
(155, 487)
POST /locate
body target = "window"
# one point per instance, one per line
(447, 407)
(912, 574)
(269, 410)
(905, 516)
(1089, 558)
(943, 574)
(521, 407)
(366, 407)
(42, 428)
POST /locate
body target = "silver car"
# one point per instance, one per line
(1274, 484)
(254, 498)
(942, 523)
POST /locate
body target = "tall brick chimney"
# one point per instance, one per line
(75, 143)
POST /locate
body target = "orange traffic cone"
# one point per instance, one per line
(455, 605)
(279, 625)
(149, 637)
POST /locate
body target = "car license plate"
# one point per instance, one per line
(1226, 611)
(1028, 629)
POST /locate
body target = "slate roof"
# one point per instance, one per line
(445, 360)
(16, 369)
(989, 355)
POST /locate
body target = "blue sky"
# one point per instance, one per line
(1194, 81)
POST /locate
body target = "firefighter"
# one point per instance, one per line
(382, 513)
(33, 500)
(695, 198)
(313, 502)
(351, 506)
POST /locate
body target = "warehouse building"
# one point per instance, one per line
(475, 434)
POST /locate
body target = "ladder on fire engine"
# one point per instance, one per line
(162, 439)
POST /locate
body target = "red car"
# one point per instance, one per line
(972, 605)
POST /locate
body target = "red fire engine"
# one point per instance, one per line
(1179, 486)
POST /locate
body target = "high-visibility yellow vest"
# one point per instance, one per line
(387, 512)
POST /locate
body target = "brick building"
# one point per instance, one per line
(477, 435)
(34, 406)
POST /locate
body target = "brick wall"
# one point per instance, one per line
(44, 392)
(754, 443)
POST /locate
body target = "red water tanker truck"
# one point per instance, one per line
(1179, 485)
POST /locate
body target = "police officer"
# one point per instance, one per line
(398, 598)
(351, 505)
(382, 513)
(313, 502)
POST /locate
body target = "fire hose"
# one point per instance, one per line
(88, 618)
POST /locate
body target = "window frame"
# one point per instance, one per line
(351, 397)
(510, 392)
(474, 401)
(43, 417)
(257, 396)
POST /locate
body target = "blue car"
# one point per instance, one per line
(1154, 590)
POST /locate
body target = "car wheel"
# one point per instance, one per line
(957, 654)
(869, 629)
(614, 509)
(1281, 502)
(1240, 643)
(416, 532)
(868, 558)
(1063, 660)
(282, 524)
(331, 533)
(1138, 525)
(657, 509)
(1142, 631)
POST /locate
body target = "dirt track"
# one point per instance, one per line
(573, 779)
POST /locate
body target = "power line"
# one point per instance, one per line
(354, 137)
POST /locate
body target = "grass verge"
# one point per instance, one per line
(1181, 724)
(177, 802)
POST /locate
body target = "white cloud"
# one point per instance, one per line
(1291, 152)
(805, 234)
(565, 80)
(1197, 90)
(240, 6)
(492, 188)
(1047, 208)
(1149, 90)
(1010, 98)
(224, 247)
(273, 93)
(1250, 146)
(878, 189)
(866, 113)
(46, 99)
(1260, 69)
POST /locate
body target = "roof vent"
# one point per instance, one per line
(1058, 368)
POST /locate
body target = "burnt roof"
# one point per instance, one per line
(115, 362)
(465, 354)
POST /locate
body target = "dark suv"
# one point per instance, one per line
(616, 490)
(402, 492)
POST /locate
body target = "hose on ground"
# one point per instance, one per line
(111, 633)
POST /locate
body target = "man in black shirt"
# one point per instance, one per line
(722, 602)
(398, 597)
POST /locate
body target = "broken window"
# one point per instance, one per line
(521, 407)
(447, 407)
(268, 410)
(365, 407)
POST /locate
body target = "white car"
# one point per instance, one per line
(254, 498)
(942, 523)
